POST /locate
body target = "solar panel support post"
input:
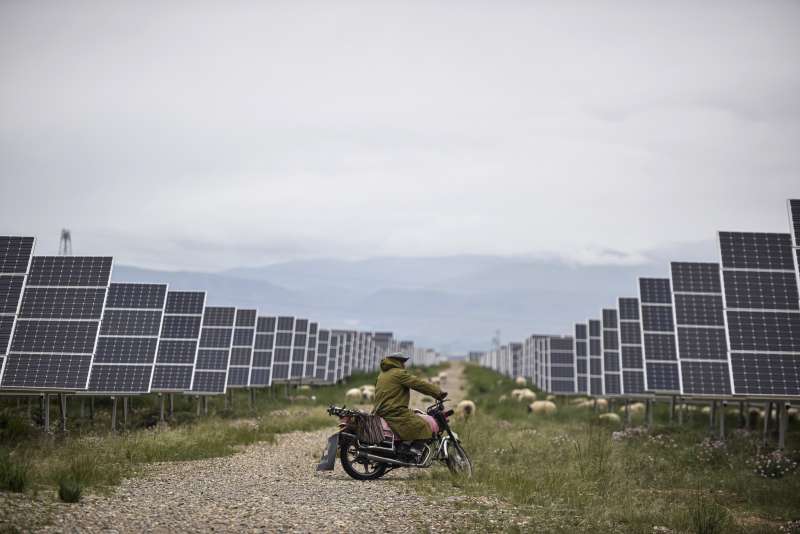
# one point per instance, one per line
(721, 415)
(742, 419)
(125, 412)
(161, 406)
(783, 422)
(627, 413)
(205, 404)
(198, 405)
(651, 406)
(767, 417)
(46, 412)
(171, 405)
(62, 403)
(83, 408)
(712, 412)
(681, 405)
(671, 409)
(113, 414)
(91, 408)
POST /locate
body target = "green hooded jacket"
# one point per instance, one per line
(392, 395)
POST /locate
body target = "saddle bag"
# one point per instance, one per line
(369, 429)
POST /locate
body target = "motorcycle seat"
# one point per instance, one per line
(388, 434)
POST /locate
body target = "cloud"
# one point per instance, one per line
(197, 137)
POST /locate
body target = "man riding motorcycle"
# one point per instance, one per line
(392, 396)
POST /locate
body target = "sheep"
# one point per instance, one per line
(609, 418)
(551, 398)
(304, 387)
(602, 404)
(793, 414)
(435, 380)
(577, 401)
(354, 395)
(465, 408)
(542, 408)
(523, 395)
(520, 381)
(636, 408)
(443, 377)
(368, 395)
(503, 398)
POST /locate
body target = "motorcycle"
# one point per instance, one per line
(363, 461)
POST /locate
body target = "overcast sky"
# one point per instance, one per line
(242, 133)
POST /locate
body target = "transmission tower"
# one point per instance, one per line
(65, 245)
(496, 340)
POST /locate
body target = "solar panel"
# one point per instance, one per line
(323, 346)
(331, 374)
(128, 341)
(702, 347)
(214, 351)
(581, 340)
(244, 337)
(562, 365)
(54, 341)
(15, 261)
(762, 310)
(596, 385)
(311, 351)
(177, 344)
(261, 372)
(612, 371)
(658, 336)
(345, 352)
(284, 344)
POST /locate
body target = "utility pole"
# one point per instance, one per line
(65, 244)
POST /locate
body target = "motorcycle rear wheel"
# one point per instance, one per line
(457, 460)
(359, 469)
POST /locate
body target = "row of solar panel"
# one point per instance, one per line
(65, 327)
(710, 329)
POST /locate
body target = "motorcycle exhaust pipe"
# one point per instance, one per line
(381, 459)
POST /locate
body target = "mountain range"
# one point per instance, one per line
(452, 303)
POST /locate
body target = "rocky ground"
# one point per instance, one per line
(266, 487)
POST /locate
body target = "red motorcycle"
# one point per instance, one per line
(369, 461)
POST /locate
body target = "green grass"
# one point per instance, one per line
(566, 473)
(90, 457)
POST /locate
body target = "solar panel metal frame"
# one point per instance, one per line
(322, 356)
(196, 340)
(645, 357)
(680, 349)
(637, 324)
(66, 286)
(151, 365)
(10, 274)
(204, 326)
(794, 355)
(278, 367)
(251, 347)
(610, 333)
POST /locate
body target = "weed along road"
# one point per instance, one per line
(269, 487)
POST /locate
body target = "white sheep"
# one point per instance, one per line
(551, 398)
(577, 401)
(520, 381)
(542, 408)
(435, 380)
(602, 404)
(636, 408)
(354, 395)
(368, 395)
(443, 377)
(609, 418)
(465, 408)
(527, 396)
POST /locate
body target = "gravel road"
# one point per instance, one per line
(265, 488)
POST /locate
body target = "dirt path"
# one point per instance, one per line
(265, 488)
(454, 385)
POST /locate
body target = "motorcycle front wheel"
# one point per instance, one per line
(457, 460)
(359, 469)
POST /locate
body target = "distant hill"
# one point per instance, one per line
(453, 303)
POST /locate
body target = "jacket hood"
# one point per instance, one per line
(390, 363)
